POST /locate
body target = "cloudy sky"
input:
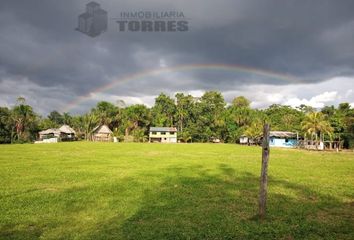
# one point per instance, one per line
(294, 51)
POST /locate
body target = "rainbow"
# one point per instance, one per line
(180, 68)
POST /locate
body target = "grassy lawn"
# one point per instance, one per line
(179, 191)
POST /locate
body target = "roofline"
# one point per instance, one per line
(163, 129)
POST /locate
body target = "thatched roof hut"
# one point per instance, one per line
(49, 133)
(65, 132)
(67, 129)
(102, 134)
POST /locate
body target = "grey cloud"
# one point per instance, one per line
(311, 40)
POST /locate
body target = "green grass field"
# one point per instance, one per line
(177, 191)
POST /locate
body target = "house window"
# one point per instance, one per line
(286, 140)
(163, 133)
(154, 133)
(172, 133)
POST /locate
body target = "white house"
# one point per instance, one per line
(163, 134)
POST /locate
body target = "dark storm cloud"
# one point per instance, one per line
(312, 40)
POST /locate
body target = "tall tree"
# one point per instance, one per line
(305, 109)
(134, 117)
(184, 108)
(106, 113)
(238, 116)
(24, 119)
(163, 111)
(315, 124)
(67, 118)
(343, 123)
(210, 121)
(254, 131)
(89, 121)
(5, 125)
(241, 102)
(56, 118)
(284, 118)
(240, 111)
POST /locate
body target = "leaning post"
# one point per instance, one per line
(264, 172)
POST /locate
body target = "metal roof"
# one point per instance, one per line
(163, 129)
(282, 134)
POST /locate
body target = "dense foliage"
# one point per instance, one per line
(197, 119)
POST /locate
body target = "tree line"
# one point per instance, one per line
(197, 119)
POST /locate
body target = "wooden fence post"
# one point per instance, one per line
(264, 172)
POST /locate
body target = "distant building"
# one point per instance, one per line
(283, 139)
(243, 139)
(163, 134)
(277, 139)
(94, 21)
(215, 140)
(102, 134)
(49, 133)
(320, 145)
(64, 133)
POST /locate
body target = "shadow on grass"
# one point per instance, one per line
(223, 206)
(200, 203)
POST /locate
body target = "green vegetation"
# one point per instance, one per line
(197, 119)
(85, 190)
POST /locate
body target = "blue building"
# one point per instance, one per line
(283, 139)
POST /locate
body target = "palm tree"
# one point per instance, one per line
(67, 118)
(316, 125)
(23, 116)
(184, 104)
(135, 116)
(254, 131)
(90, 121)
(288, 121)
(139, 135)
(105, 112)
(185, 136)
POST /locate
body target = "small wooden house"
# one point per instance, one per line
(102, 134)
(283, 139)
(163, 134)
